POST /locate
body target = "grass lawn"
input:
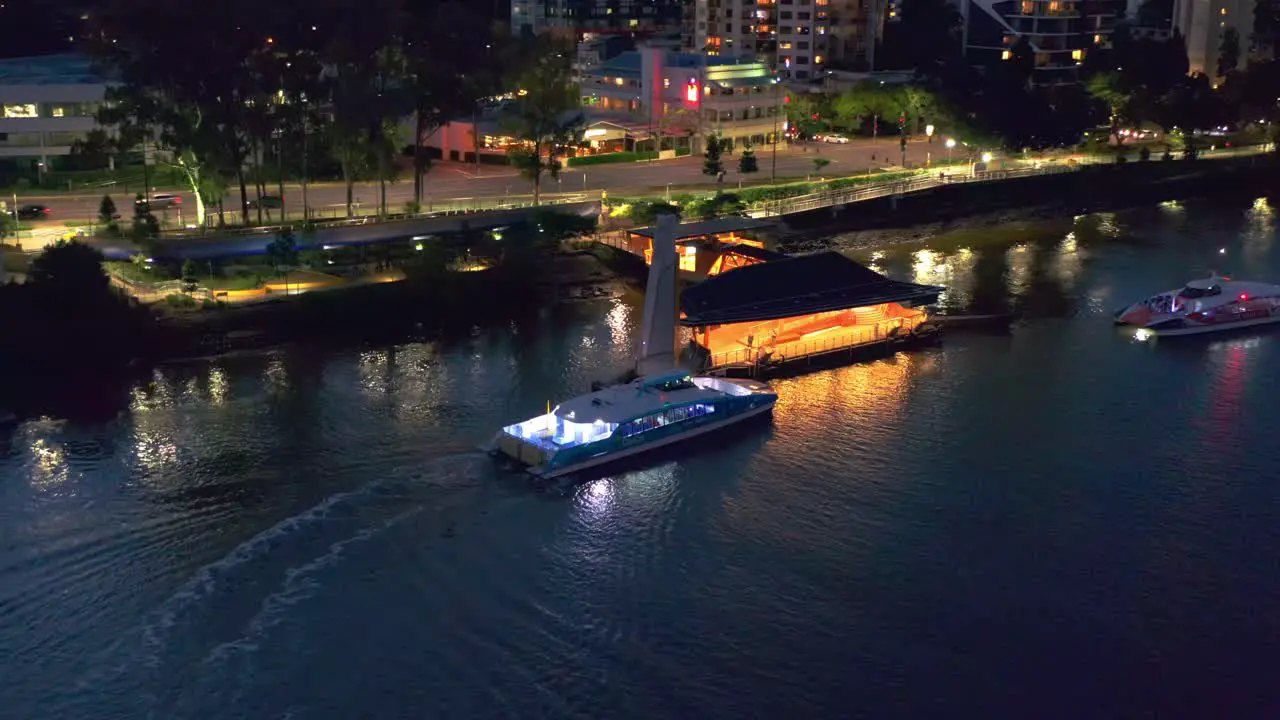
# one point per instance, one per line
(133, 273)
(234, 282)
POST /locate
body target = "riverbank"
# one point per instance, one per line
(918, 216)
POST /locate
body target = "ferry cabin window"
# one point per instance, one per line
(1190, 292)
(665, 418)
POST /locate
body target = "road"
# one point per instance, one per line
(455, 184)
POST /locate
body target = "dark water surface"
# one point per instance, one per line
(1061, 522)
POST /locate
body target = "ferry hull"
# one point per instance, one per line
(606, 457)
(1205, 328)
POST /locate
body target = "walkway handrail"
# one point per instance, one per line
(829, 198)
(390, 218)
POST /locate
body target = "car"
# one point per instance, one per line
(268, 202)
(33, 212)
(835, 138)
(161, 201)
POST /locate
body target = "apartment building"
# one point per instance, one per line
(1060, 33)
(798, 38)
(1203, 23)
(684, 97)
(46, 105)
(574, 17)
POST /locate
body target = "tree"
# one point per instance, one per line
(1190, 107)
(747, 160)
(107, 211)
(1254, 94)
(95, 151)
(917, 103)
(283, 251)
(805, 112)
(711, 163)
(1229, 52)
(71, 269)
(868, 101)
(546, 116)
(187, 90)
(145, 225)
(1108, 88)
(443, 71)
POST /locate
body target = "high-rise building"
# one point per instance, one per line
(1203, 23)
(799, 38)
(595, 16)
(1060, 33)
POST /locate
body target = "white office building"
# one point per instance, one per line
(1203, 23)
(46, 105)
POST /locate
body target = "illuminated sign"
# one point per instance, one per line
(691, 91)
(594, 132)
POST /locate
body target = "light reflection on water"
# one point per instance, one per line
(931, 519)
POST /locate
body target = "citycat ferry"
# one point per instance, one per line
(624, 420)
(1207, 305)
(664, 406)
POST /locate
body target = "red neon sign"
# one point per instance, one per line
(691, 92)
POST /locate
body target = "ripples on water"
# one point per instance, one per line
(1036, 525)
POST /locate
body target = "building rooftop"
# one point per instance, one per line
(62, 69)
(798, 285)
(709, 227)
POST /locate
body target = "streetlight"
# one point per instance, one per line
(951, 143)
(986, 157)
(928, 131)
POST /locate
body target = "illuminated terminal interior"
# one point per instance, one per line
(799, 306)
(701, 246)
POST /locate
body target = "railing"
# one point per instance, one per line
(783, 352)
(466, 208)
(830, 198)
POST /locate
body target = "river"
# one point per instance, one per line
(1057, 522)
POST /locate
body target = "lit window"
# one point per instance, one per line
(1006, 55)
(1223, 11)
(1077, 54)
(57, 111)
(20, 111)
(1097, 39)
(619, 81)
(666, 83)
(817, 59)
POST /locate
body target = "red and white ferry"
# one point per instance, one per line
(1207, 305)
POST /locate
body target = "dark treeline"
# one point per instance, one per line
(236, 100)
(1135, 81)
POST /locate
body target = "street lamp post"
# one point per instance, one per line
(951, 143)
(773, 165)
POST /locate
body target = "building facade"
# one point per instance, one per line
(1060, 33)
(797, 38)
(575, 17)
(1203, 23)
(684, 97)
(46, 105)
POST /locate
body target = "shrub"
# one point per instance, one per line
(616, 157)
(180, 301)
